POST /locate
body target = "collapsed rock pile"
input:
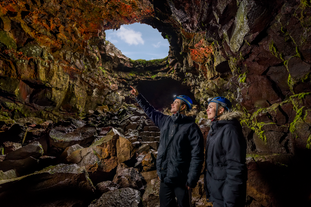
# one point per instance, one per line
(73, 162)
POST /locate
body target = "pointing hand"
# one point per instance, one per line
(134, 91)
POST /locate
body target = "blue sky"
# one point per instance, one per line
(139, 41)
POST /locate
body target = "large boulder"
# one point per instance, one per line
(124, 150)
(151, 195)
(106, 186)
(99, 158)
(129, 177)
(62, 139)
(65, 185)
(120, 197)
(23, 160)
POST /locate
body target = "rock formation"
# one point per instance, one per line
(71, 133)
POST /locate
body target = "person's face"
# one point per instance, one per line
(211, 110)
(175, 106)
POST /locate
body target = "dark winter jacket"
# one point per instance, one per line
(225, 176)
(180, 152)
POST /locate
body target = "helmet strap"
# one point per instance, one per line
(216, 116)
(181, 103)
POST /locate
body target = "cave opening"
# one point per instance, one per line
(139, 41)
(160, 93)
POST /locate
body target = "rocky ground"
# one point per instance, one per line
(102, 160)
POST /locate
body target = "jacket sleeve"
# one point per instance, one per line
(197, 155)
(234, 146)
(155, 116)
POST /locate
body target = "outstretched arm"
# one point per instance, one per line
(156, 116)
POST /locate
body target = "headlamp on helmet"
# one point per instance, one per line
(186, 99)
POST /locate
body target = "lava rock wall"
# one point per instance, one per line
(56, 66)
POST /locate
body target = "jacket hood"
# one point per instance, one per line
(231, 115)
(180, 118)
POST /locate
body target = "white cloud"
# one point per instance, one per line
(130, 36)
(157, 45)
(113, 41)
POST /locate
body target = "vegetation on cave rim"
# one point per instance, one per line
(146, 63)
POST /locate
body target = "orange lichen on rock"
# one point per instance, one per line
(55, 23)
(201, 52)
(187, 35)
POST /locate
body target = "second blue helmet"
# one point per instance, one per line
(222, 101)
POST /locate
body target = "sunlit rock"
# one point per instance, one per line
(149, 161)
(129, 177)
(151, 195)
(124, 150)
(119, 197)
(106, 186)
(82, 136)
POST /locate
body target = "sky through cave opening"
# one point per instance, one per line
(139, 41)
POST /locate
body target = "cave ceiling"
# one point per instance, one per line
(55, 61)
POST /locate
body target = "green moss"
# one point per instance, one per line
(298, 118)
(274, 51)
(257, 127)
(251, 122)
(87, 177)
(242, 78)
(305, 77)
(256, 113)
(304, 4)
(7, 40)
(141, 61)
(302, 95)
(290, 83)
(148, 62)
(233, 65)
(297, 53)
(241, 27)
(256, 156)
(103, 70)
(308, 146)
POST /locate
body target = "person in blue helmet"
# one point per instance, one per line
(180, 152)
(225, 172)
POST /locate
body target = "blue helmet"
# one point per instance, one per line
(186, 99)
(222, 101)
